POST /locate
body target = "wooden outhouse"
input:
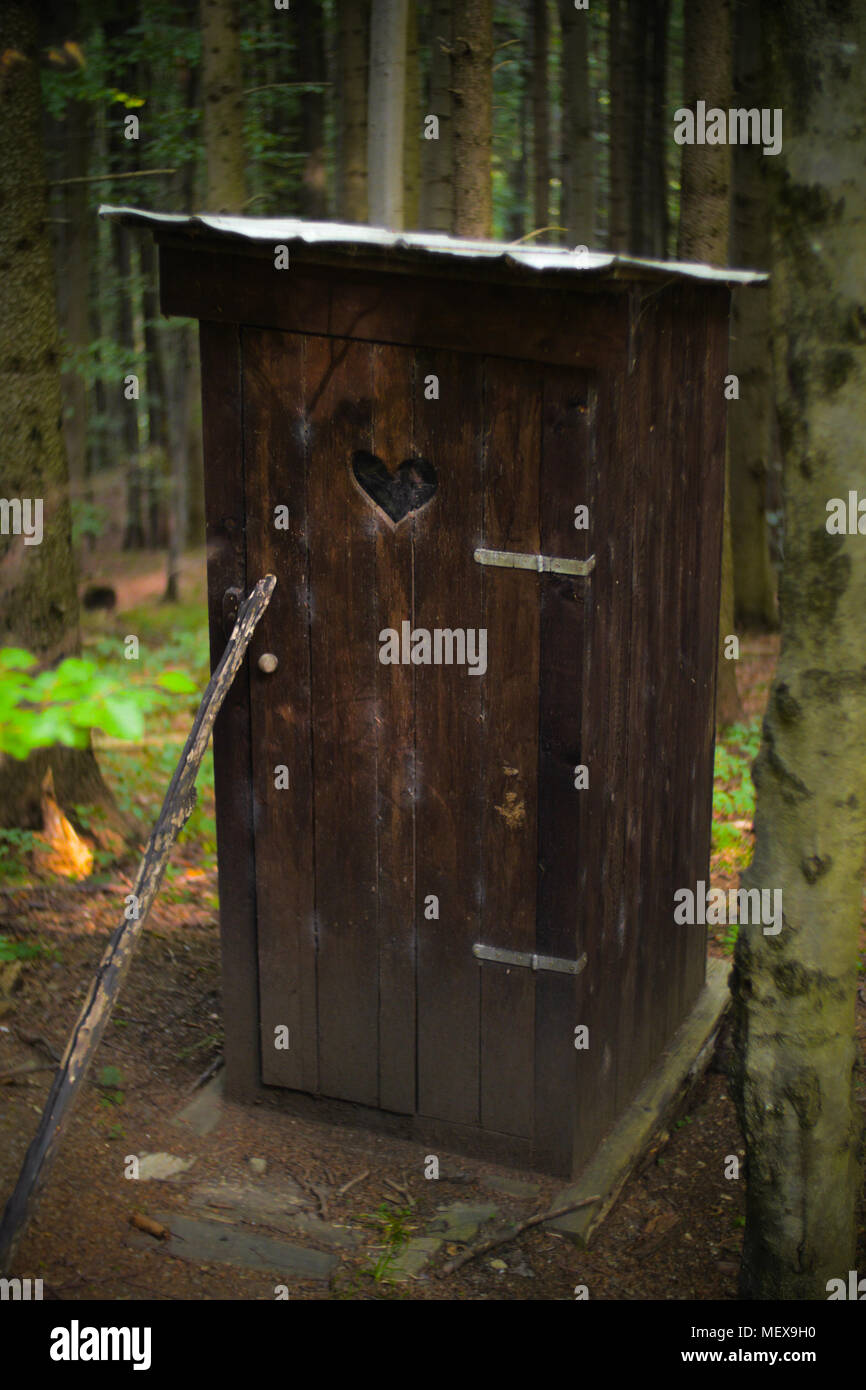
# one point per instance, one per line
(469, 760)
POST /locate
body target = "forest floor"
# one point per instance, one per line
(674, 1233)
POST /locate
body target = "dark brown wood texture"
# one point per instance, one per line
(549, 325)
(219, 346)
(509, 812)
(275, 472)
(415, 782)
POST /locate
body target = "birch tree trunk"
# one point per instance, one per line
(794, 992)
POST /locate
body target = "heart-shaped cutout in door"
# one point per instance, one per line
(409, 488)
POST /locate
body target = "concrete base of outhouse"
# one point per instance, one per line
(665, 1090)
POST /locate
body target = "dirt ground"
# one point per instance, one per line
(675, 1232)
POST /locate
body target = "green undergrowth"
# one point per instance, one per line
(171, 636)
(734, 805)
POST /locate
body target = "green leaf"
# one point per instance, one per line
(177, 682)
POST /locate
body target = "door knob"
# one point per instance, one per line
(267, 662)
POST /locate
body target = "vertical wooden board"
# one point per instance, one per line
(227, 568)
(689, 331)
(394, 390)
(636, 996)
(710, 513)
(610, 921)
(448, 738)
(563, 904)
(660, 406)
(276, 475)
(511, 604)
(343, 657)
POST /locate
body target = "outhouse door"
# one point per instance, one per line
(405, 813)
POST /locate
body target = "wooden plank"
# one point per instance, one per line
(612, 913)
(227, 568)
(343, 657)
(643, 1019)
(562, 907)
(395, 391)
(276, 475)
(448, 765)
(688, 331)
(716, 306)
(511, 603)
(563, 326)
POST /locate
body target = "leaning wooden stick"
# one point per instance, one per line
(505, 1236)
(176, 808)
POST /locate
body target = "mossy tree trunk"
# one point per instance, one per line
(38, 595)
(795, 992)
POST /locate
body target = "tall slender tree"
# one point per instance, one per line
(222, 97)
(540, 117)
(386, 112)
(437, 191)
(352, 63)
(703, 236)
(472, 92)
(749, 422)
(578, 155)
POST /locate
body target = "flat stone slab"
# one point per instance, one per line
(204, 1111)
(252, 1201)
(413, 1257)
(685, 1059)
(278, 1208)
(159, 1167)
(216, 1242)
(461, 1221)
(513, 1187)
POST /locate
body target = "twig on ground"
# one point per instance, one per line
(505, 1236)
(347, 1186)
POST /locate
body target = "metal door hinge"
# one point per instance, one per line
(543, 564)
(529, 959)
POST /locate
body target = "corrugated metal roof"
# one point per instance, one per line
(422, 247)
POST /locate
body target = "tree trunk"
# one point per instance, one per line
(222, 100)
(75, 299)
(794, 992)
(354, 44)
(311, 68)
(438, 204)
(577, 162)
(749, 420)
(703, 236)
(617, 232)
(386, 113)
(472, 91)
(412, 133)
(646, 46)
(38, 597)
(540, 118)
